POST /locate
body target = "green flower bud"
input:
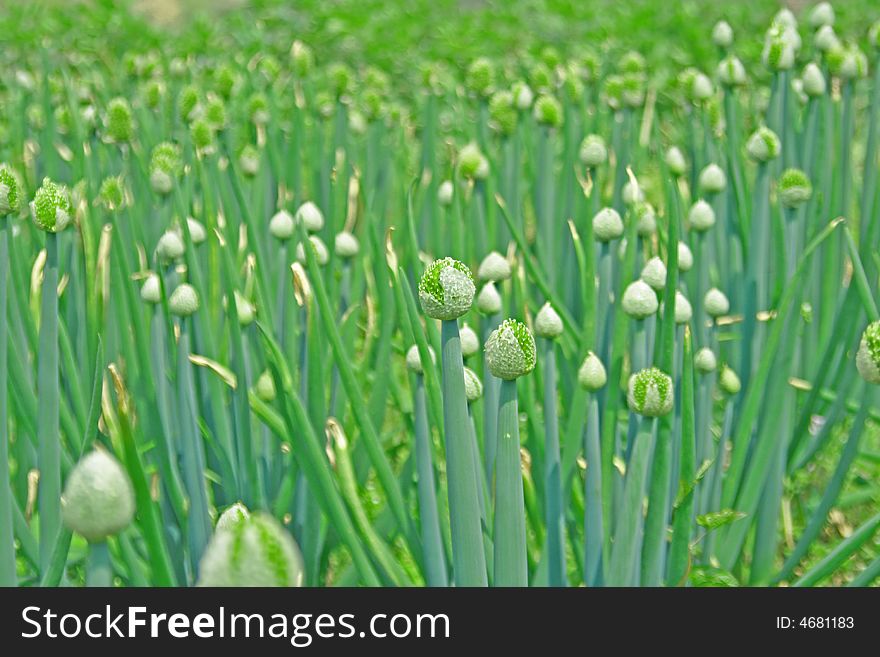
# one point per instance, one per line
(414, 359)
(165, 166)
(446, 290)
(303, 59)
(868, 355)
(188, 102)
(847, 62)
(151, 291)
(202, 134)
(647, 220)
(826, 40)
(607, 225)
(650, 393)
(522, 96)
(233, 515)
(675, 161)
(715, 303)
(705, 360)
(111, 194)
(10, 191)
(152, 92)
(683, 310)
(502, 112)
(639, 300)
(184, 300)
(170, 246)
(548, 323)
(731, 72)
(632, 193)
(813, 80)
(346, 245)
(729, 381)
(318, 248)
(779, 49)
(763, 145)
(488, 300)
(225, 80)
(722, 34)
(685, 257)
(593, 151)
(632, 89)
(591, 375)
(98, 500)
(470, 343)
(197, 232)
(821, 14)
(258, 108)
(472, 163)
(309, 216)
(794, 188)
(654, 273)
(494, 267)
(712, 179)
(480, 77)
(541, 77)
(282, 225)
(245, 310)
(119, 123)
(700, 88)
(215, 112)
(255, 551)
(51, 207)
(265, 387)
(510, 350)
(445, 192)
(249, 160)
(632, 62)
(701, 216)
(548, 111)
(473, 387)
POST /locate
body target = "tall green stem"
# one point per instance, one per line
(511, 565)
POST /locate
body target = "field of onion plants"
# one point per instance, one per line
(277, 310)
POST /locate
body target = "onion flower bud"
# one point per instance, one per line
(446, 289)
(98, 500)
(510, 350)
(650, 393)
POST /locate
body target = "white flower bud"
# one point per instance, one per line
(548, 323)
(473, 387)
(445, 192)
(701, 216)
(650, 393)
(591, 374)
(510, 350)
(722, 34)
(685, 257)
(494, 267)
(607, 225)
(446, 289)
(488, 300)
(346, 245)
(715, 302)
(170, 246)
(705, 360)
(639, 300)
(318, 246)
(197, 232)
(184, 300)
(310, 216)
(683, 310)
(470, 342)
(151, 291)
(281, 225)
(654, 273)
(712, 179)
(675, 161)
(813, 80)
(232, 516)
(98, 500)
(414, 359)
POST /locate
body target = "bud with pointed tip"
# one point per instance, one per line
(729, 381)
(794, 188)
(414, 359)
(705, 360)
(522, 95)
(763, 145)
(197, 232)
(632, 193)
(118, 122)
(722, 34)
(712, 179)
(647, 220)
(446, 289)
(683, 310)
(282, 225)
(868, 355)
(265, 387)
(151, 291)
(548, 111)
(825, 39)
(701, 216)
(170, 246)
(255, 551)
(445, 192)
(10, 191)
(51, 208)
(639, 300)
(715, 302)
(593, 151)
(184, 300)
(473, 387)
(813, 80)
(318, 248)
(346, 245)
(654, 273)
(650, 393)
(731, 71)
(472, 163)
(685, 257)
(548, 323)
(591, 375)
(470, 342)
(232, 516)
(488, 300)
(494, 267)
(310, 216)
(245, 310)
(510, 350)
(98, 500)
(675, 161)
(821, 14)
(607, 225)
